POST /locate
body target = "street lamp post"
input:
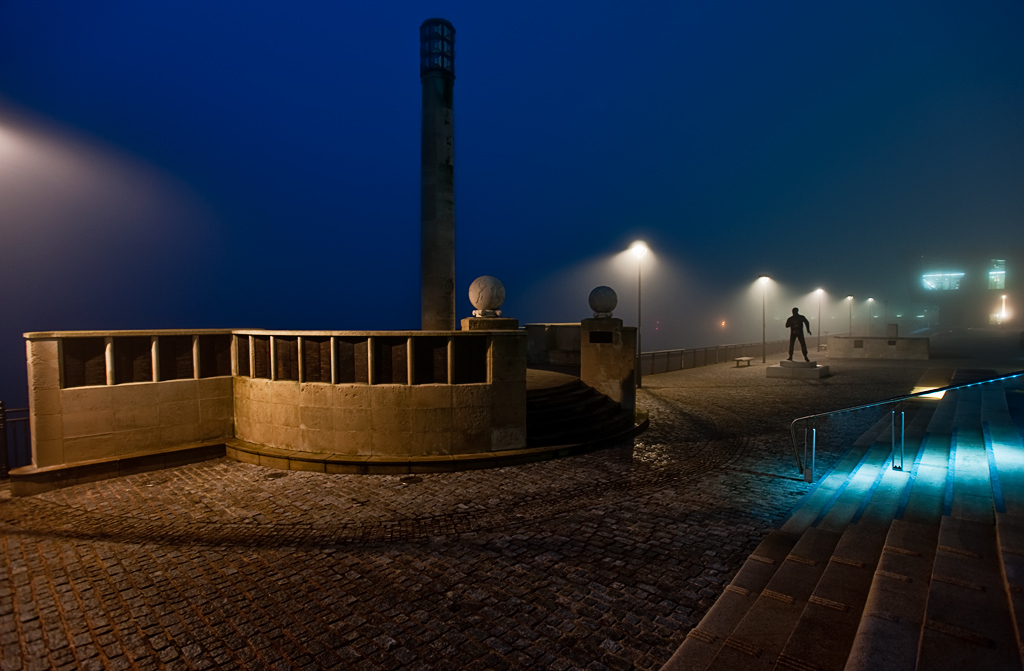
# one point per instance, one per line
(849, 300)
(871, 316)
(818, 327)
(639, 249)
(764, 319)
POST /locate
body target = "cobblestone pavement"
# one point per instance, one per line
(601, 561)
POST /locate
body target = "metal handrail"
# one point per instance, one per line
(809, 476)
(5, 420)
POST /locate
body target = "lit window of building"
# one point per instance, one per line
(997, 274)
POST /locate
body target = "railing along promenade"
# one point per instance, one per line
(810, 422)
(15, 442)
(665, 361)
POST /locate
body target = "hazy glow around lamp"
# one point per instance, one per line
(818, 325)
(764, 320)
(639, 248)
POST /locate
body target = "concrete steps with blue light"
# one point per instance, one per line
(920, 568)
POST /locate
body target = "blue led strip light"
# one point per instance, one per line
(947, 506)
(842, 488)
(874, 485)
(993, 471)
(905, 497)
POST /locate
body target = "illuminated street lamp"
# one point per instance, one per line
(764, 320)
(871, 316)
(639, 249)
(849, 299)
(818, 326)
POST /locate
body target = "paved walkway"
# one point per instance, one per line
(602, 561)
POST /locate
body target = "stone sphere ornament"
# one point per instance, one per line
(602, 301)
(487, 293)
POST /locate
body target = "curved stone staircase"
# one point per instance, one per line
(573, 414)
(879, 569)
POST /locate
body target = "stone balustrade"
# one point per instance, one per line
(97, 396)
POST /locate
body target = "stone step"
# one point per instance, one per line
(540, 414)
(890, 626)
(967, 621)
(875, 479)
(705, 640)
(1005, 448)
(575, 431)
(906, 586)
(839, 511)
(762, 634)
(572, 414)
(818, 500)
(968, 492)
(558, 390)
(826, 629)
(922, 501)
(889, 487)
(560, 397)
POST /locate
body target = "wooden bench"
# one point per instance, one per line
(748, 359)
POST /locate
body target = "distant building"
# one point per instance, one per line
(970, 289)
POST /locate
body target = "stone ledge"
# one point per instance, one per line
(273, 457)
(30, 480)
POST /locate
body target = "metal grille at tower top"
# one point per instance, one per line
(437, 47)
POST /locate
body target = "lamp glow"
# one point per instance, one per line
(639, 248)
(764, 319)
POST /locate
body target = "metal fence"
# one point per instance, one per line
(15, 440)
(665, 361)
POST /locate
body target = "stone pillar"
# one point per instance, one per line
(44, 401)
(437, 177)
(608, 359)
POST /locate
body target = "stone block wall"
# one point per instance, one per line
(88, 423)
(845, 347)
(391, 407)
(553, 344)
(391, 420)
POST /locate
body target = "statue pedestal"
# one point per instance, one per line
(798, 370)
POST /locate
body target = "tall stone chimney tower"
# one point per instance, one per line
(437, 177)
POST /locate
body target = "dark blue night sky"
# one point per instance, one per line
(256, 164)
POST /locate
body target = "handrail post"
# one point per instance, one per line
(903, 434)
(892, 436)
(809, 472)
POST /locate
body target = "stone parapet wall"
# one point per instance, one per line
(863, 347)
(96, 396)
(87, 423)
(553, 344)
